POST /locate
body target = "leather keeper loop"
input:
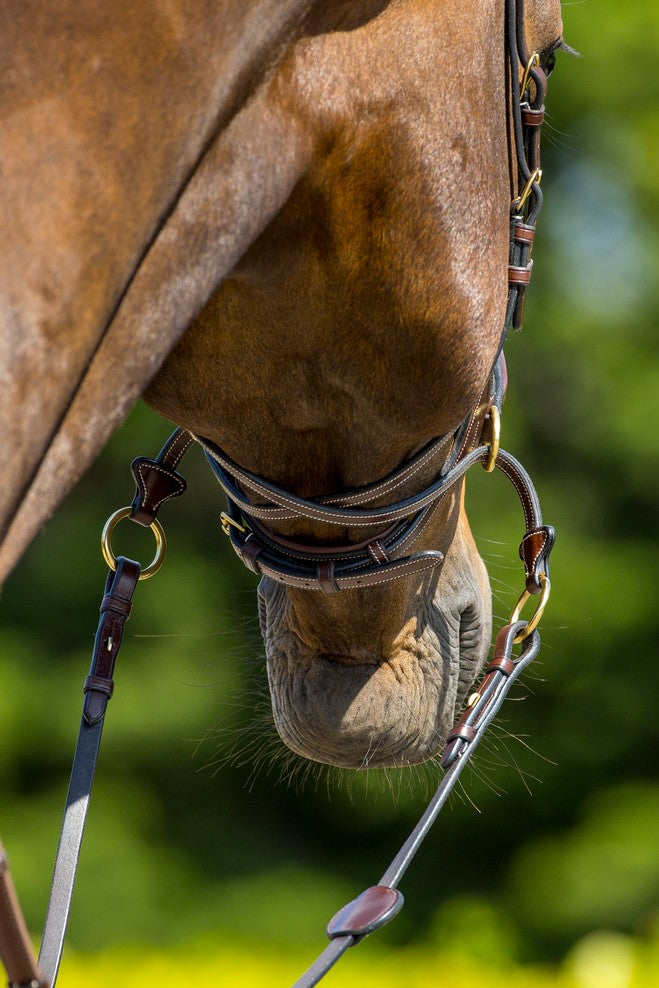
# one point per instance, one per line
(523, 233)
(462, 732)
(117, 604)
(249, 552)
(99, 684)
(326, 578)
(98, 692)
(501, 664)
(519, 276)
(533, 118)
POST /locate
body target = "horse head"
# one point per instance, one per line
(329, 267)
(363, 322)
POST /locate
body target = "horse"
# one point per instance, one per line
(286, 225)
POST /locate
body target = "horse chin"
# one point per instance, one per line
(394, 711)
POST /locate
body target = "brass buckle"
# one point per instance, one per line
(158, 534)
(534, 178)
(227, 523)
(533, 63)
(495, 438)
(534, 621)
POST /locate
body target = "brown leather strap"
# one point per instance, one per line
(533, 118)
(157, 480)
(115, 611)
(378, 552)
(16, 950)
(534, 553)
(524, 234)
(519, 276)
(326, 578)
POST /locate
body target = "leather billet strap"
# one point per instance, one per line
(377, 905)
(98, 687)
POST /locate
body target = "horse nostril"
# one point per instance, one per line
(263, 612)
(470, 628)
(357, 657)
(474, 640)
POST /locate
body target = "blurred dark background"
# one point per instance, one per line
(200, 819)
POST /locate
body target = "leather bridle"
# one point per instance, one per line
(256, 506)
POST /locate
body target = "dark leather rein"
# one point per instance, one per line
(255, 505)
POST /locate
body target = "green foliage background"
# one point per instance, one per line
(545, 869)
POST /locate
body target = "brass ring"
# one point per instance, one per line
(495, 438)
(534, 179)
(532, 624)
(158, 534)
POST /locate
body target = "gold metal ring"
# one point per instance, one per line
(532, 624)
(495, 438)
(533, 63)
(534, 179)
(158, 534)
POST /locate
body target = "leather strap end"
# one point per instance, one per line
(249, 552)
(326, 578)
(518, 312)
(371, 910)
(450, 753)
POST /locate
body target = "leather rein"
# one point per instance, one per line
(254, 505)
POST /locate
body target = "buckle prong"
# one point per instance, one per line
(228, 522)
(534, 179)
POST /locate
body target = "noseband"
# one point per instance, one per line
(255, 505)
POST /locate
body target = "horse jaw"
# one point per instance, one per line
(101, 277)
(388, 692)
